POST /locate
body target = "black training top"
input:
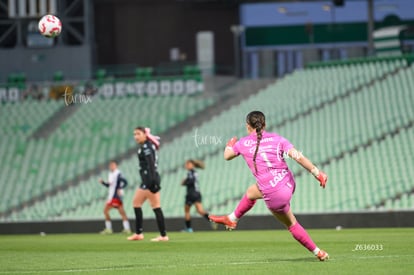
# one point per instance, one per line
(148, 159)
(191, 182)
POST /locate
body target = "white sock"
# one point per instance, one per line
(316, 251)
(233, 217)
(126, 225)
(108, 225)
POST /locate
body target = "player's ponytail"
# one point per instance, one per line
(198, 163)
(153, 139)
(257, 121)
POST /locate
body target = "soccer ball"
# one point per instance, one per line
(50, 26)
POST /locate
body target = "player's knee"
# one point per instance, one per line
(253, 192)
(136, 203)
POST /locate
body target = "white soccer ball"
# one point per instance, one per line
(50, 26)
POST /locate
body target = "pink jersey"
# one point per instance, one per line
(272, 169)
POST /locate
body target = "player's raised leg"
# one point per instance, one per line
(245, 204)
(200, 210)
(300, 234)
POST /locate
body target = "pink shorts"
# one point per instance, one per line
(279, 200)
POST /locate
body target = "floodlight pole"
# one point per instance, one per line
(237, 30)
(371, 23)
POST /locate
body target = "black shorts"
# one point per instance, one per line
(192, 198)
(147, 183)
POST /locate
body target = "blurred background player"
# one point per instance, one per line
(265, 154)
(150, 186)
(116, 183)
(193, 195)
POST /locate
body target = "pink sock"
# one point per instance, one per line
(300, 234)
(244, 206)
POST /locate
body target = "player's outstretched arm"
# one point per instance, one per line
(101, 181)
(228, 151)
(308, 165)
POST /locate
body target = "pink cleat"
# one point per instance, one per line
(160, 239)
(136, 237)
(322, 255)
(230, 225)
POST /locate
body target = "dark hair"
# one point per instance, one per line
(140, 128)
(197, 163)
(257, 121)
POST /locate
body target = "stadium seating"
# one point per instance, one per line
(18, 122)
(95, 133)
(352, 117)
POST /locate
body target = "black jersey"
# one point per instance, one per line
(148, 161)
(191, 182)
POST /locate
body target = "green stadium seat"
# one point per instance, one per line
(58, 76)
(357, 181)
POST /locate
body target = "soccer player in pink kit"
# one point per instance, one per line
(265, 154)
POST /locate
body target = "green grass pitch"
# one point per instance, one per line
(352, 251)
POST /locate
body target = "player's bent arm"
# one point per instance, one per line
(123, 183)
(229, 153)
(190, 180)
(106, 184)
(301, 159)
(308, 165)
